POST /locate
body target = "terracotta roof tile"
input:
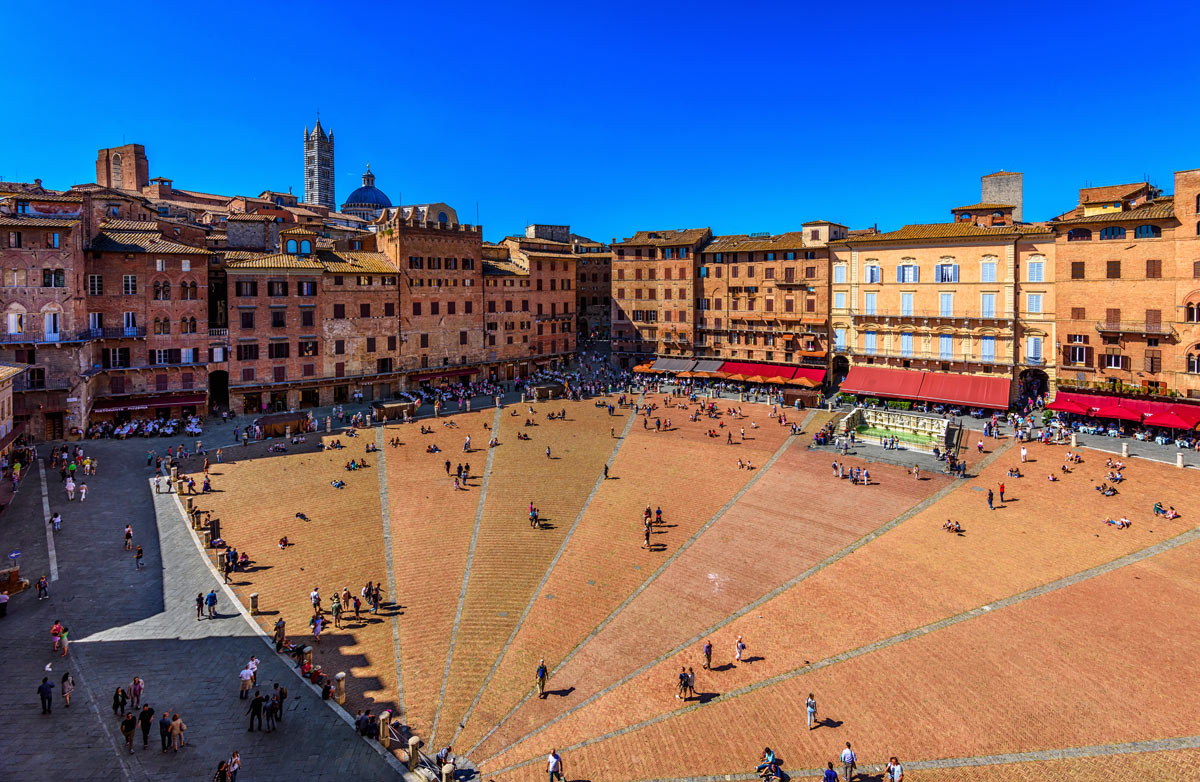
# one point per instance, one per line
(242, 217)
(46, 196)
(792, 240)
(140, 241)
(129, 225)
(932, 231)
(17, 221)
(9, 371)
(1091, 195)
(1158, 209)
(322, 260)
(673, 237)
(984, 207)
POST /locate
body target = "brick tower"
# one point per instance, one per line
(318, 167)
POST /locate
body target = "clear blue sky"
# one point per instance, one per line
(616, 117)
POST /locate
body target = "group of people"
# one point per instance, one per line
(146, 427)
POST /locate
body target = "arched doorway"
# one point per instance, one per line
(1033, 382)
(218, 389)
(841, 368)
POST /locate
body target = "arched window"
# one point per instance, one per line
(1079, 235)
(997, 215)
(305, 247)
(118, 171)
(291, 246)
(1112, 232)
(183, 326)
(1192, 313)
(443, 218)
(1147, 232)
(166, 291)
(965, 217)
(1198, 204)
(193, 291)
(157, 291)
(166, 326)
(157, 326)
(1193, 361)
(191, 325)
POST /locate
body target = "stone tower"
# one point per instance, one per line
(318, 167)
(1004, 187)
(123, 168)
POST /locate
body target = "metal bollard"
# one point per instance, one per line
(1124, 449)
(414, 754)
(254, 604)
(339, 694)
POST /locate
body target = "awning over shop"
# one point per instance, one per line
(1118, 412)
(810, 373)
(708, 365)
(1067, 402)
(1167, 419)
(445, 374)
(970, 390)
(118, 405)
(674, 364)
(880, 381)
(768, 371)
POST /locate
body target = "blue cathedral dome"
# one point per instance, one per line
(367, 198)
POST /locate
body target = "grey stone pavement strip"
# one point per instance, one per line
(541, 584)
(1066, 753)
(641, 588)
(126, 622)
(385, 513)
(462, 594)
(870, 536)
(1053, 586)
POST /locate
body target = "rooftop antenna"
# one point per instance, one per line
(476, 213)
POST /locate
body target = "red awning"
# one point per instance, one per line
(749, 369)
(1189, 413)
(1167, 419)
(880, 381)
(117, 405)
(1116, 411)
(815, 375)
(1068, 402)
(969, 390)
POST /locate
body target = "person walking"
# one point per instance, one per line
(211, 602)
(830, 775)
(270, 708)
(68, 687)
(128, 726)
(135, 692)
(681, 684)
(1002, 492)
(554, 765)
(222, 772)
(247, 681)
(146, 721)
(235, 765)
(706, 650)
(849, 763)
(138, 563)
(128, 538)
(46, 692)
(199, 606)
(65, 638)
(119, 701)
(164, 730)
(540, 675)
(739, 646)
(894, 771)
(335, 607)
(177, 729)
(255, 711)
(989, 500)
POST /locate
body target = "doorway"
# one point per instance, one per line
(54, 426)
(218, 389)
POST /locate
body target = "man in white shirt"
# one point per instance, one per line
(849, 762)
(554, 766)
(895, 771)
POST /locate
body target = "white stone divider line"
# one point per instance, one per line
(1128, 559)
(387, 756)
(46, 520)
(642, 587)
(1010, 758)
(545, 577)
(385, 513)
(462, 592)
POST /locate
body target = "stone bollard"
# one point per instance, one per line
(414, 754)
(1124, 450)
(497, 403)
(188, 503)
(287, 432)
(254, 604)
(448, 772)
(328, 424)
(1179, 460)
(306, 655)
(522, 397)
(741, 397)
(339, 693)
(207, 538)
(174, 473)
(385, 721)
(1074, 440)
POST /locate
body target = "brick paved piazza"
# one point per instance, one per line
(1039, 643)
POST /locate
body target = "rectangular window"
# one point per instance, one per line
(869, 342)
(306, 348)
(339, 311)
(1034, 306)
(1153, 269)
(247, 352)
(185, 265)
(53, 240)
(278, 319)
(364, 310)
(391, 343)
(906, 304)
(247, 319)
(839, 339)
(246, 288)
(95, 285)
(839, 273)
(839, 300)
(279, 374)
(277, 288)
(389, 309)
(1033, 350)
(946, 305)
(370, 344)
(462, 337)
(1153, 361)
(96, 321)
(906, 344)
(247, 374)
(306, 288)
(987, 305)
(417, 308)
(424, 340)
(1078, 313)
(16, 323)
(874, 273)
(987, 347)
(869, 303)
(987, 271)
(1112, 317)
(1112, 270)
(339, 347)
(278, 349)
(945, 272)
(308, 317)
(1035, 272)
(1077, 270)
(129, 285)
(945, 346)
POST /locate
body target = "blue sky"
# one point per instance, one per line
(618, 116)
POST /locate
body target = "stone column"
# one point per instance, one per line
(385, 719)
(1124, 450)
(1074, 440)
(1179, 460)
(253, 603)
(339, 693)
(414, 754)
(448, 772)
(328, 424)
